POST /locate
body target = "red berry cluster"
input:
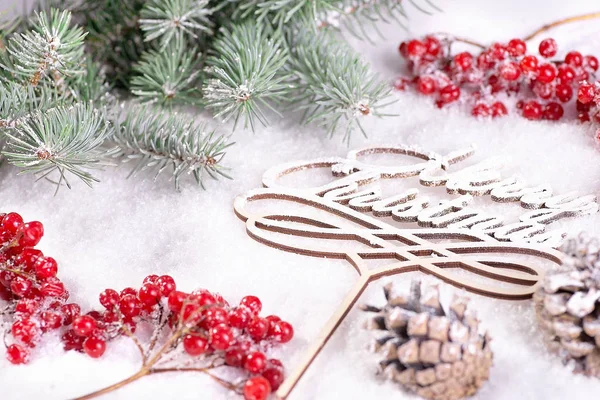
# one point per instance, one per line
(203, 324)
(37, 299)
(541, 85)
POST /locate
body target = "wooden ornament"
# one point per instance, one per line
(431, 250)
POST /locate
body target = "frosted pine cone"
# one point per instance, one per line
(435, 354)
(568, 305)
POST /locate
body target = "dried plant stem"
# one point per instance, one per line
(552, 25)
(141, 373)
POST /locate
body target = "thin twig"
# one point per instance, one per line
(549, 26)
(128, 332)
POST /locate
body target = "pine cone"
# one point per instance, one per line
(435, 354)
(568, 305)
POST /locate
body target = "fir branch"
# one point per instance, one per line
(18, 101)
(90, 86)
(63, 140)
(167, 76)
(157, 140)
(175, 19)
(280, 12)
(52, 50)
(246, 74)
(334, 85)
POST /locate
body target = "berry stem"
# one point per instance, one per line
(563, 21)
(128, 332)
(140, 374)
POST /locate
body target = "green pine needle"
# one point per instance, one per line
(175, 19)
(52, 50)
(63, 140)
(335, 87)
(246, 74)
(167, 76)
(158, 140)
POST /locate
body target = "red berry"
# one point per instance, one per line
(272, 320)
(194, 345)
(51, 320)
(529, 64)
(150, 279)
(485, 61)
(591, 62)
(221, 337)
(415, 49)
(516, 47)
(84, 325)
(128, 290)
(510, 71)
(70, 312)
(26, 307)
(6, 277)
(109, 298)
(12, 222)
(28, 258)
(258, 328)
(433, 46)
(586, 93)
(563, 92)
(239, 317)
(257, 388)
(401, 83)
(46, 267)
(463, 61)
(542, 90)
(426, 85)
(449, 93)
(175, 301)
(403, 49)
(94, 347)
(480, 110)
(498, 51)
(25, 330)
(72, 341)
(20, 286)
(532, 110)
(235, 357)
(149, 294)
(546, 73)
(253, 303)
(53, 288)
(214, 316)
(32, 234)
(130, 306)
(548, 48)
(17, 354)
(499, 109)
(166, 284)
(566, 75)
(274, 376)
(553, 111)
(203, 297)
(284, 332)
(574, 58)
(255, 362)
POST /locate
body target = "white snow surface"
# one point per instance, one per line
(124, 229)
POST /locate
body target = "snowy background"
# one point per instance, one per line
(122, 230)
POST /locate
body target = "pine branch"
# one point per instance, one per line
(167, 76)
(246, 74)
(280, 12)
(90, 86)
(18, 101)
(63, 140)
(334, 85)
(52, 50)
(157, 140)
(175, 19)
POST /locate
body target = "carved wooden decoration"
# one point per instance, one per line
(448, 242)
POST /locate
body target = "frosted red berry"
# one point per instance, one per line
(12, 222)
(166, 284)
(221, 337)
(516, 47)
(449, 94)
(563, 93)
(20, 286)
(84, 325)
(130, 306)
(258, 328)
(109, 298)
(415, 48)
(149, 294)
(255, 362)
(510, 71)
(481, 110)
(25, 330)
(498, 109)
(548, 48)
(426, 85)
(463, 61)
(253, 303)
(586, 93)
(235, 357)
(553, 111)
(94, 347)
(574, 58)
(32, 233)
(46, 267)
(433, 46)
(274, 376)
(17, 354)
(256, 388)
(546, 73)
(175, 301)
(240, 317)
(591, 62)
(532, 110)
(195, 345)
(284, 332)
(529, 64)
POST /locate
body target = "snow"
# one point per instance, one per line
(125, 229)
